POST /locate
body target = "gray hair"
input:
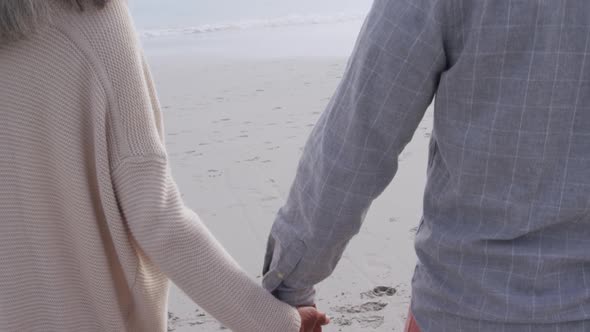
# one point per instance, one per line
(20, 18)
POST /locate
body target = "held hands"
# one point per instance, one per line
(312, 320)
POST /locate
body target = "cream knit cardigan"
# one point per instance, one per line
(92, 226)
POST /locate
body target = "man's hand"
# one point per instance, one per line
(312, 320)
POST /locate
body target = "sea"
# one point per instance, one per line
(250, 28)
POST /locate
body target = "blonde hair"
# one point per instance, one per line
(20, 18)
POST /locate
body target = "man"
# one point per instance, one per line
(504, 242)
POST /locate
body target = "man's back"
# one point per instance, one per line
(506, 230)
(505, 238)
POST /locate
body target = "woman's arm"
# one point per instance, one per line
(174, 238)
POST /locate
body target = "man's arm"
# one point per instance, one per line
(352, 154)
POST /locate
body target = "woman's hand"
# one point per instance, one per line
(312, 320)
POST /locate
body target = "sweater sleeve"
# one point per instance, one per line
(174, 238)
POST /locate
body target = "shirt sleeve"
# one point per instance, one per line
(352, 153)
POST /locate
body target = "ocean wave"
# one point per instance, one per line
(291, 20)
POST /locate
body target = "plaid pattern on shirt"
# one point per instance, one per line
(504, 242)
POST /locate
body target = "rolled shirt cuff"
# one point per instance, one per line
(282, 258)
(295, 297)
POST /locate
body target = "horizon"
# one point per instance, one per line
(153, 14)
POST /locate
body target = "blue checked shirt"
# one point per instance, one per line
(504, 242)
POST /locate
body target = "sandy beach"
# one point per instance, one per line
(235, 131)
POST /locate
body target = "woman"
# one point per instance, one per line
(91, 222)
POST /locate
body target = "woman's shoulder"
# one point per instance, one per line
(110, 42)
(106, 36)
(108, 31)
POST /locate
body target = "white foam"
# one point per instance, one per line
(291, 20)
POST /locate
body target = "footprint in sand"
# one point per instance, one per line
(379, 291)
(370, 322)
(172, 321)
(175, 322)
(341, 321)
(357, 309)
(214, 173)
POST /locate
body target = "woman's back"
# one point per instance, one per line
(91, 222)
(53, 163)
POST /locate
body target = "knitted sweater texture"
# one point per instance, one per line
(92, 226)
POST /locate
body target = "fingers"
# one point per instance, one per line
(322, 319)
(312, 320)
(309, 317)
